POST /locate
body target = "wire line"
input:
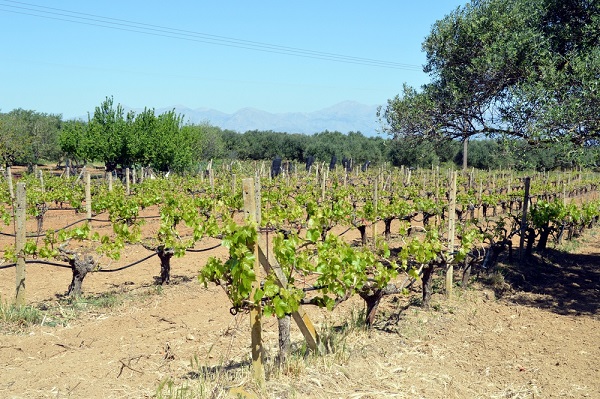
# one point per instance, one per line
(156, 30)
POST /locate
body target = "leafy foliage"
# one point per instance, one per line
(507, 67)
(26, 137)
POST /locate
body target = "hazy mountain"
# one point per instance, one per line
(344, 117)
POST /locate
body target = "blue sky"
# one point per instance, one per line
(51, 65)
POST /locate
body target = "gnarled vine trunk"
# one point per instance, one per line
(165, 255)
(285, 343)
(427, 283)
(80, 266)
(372, 299)
(388, 228)
(363, 234)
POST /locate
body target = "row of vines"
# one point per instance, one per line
(333, 235)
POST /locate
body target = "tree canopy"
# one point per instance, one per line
(120, 139)
(27, 136)
(124, 139)
(528, 69)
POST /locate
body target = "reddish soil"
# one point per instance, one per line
(533, 334)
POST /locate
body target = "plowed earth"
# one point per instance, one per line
(519, 334)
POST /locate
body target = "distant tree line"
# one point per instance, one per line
(164, 142)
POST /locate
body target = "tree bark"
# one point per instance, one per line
(427, 284)
(465, 150)
(363, 234)
(388, 228)
(372, 299)
(543, 240)
(466, 272)
(165, 255)
(80, 266)
(285, 343)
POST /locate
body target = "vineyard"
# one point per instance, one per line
(279, 247)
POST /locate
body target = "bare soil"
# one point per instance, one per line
(529, 332)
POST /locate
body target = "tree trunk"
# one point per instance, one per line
(530, 238)
(466, 272)
(363, 234)
(80, 266)
(465, 154)
(285, 343)
(426, 217)
(427, 284)
(372, 299)
(388, 228)
(543, 241)
(165, 255)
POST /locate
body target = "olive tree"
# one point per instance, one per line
(27, 137)
(525, 69)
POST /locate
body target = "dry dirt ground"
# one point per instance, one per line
(532, 334)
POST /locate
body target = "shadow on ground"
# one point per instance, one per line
(564, 283)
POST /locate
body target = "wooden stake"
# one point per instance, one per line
(300, 316)
(41, 177)
(524, 220)
(375, 200)
(451, 234)
(88, 195)
(110, 183)
(249, 196)
(258, 201)
(20, 244)
(11, 190)
(323, 184)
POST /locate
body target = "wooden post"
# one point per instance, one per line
(451, 234)
(11, 190)
(375, 200)
(88, 195)
(127, 184)
(437, 194)
(256, 311)
(323, 184)
(402, 173)
(41, 177)
(300, 316)
(524, 220)
(20, 244)
(110, 183)
(258, 201)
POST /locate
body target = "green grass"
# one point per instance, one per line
(19, 317)
(104, 301)
(59, 313)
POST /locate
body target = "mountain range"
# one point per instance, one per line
(347, 116)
